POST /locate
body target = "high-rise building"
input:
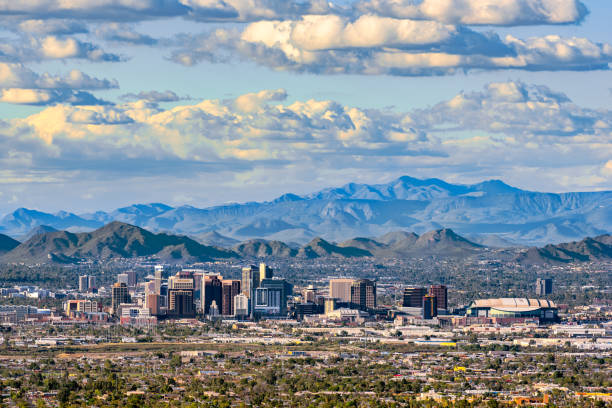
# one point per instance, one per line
(159, 271)
(250, 280)
(430, 307)
(241, 306)
(180, 303)
(153, 303)
(441, 294)
(91, 282)
(212, 291)
(271, 297)
(309, 294)
(180, 295)
(131, 278)
(231, 288)
(120, 295)
(182, 280)
(341, 289)
(413, 297)
(83, 283)
(543, 286)
(265, 272)
(363, 294)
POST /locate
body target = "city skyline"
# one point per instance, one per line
(233, 101)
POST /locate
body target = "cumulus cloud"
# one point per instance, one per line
(52, 47)
(20, 85)
(516, 109)
(380, 45)
(480, 12)
(139, 10)
(17, 75)
(48, 97)
(515, 124)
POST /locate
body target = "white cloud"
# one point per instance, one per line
(20, 85)
(509, 130)
(377, 45)
(481, 12)
(261, 129)
(515, 108)
(14, 75)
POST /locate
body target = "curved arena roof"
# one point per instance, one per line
(512, 304)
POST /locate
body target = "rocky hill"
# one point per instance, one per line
(114, 240)
(586, 250)
(7, 244)
(260, 248)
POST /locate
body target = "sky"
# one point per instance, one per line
(107, 103)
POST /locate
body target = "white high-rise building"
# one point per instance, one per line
(159, 271)
(241, 305)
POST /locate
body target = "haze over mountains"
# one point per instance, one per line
(490, 213)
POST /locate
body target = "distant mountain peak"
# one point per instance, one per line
(491, 208)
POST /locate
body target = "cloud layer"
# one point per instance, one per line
(381, 45)
(502, 131)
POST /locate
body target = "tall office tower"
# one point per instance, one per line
(250, 280)
(341, 289)
(363, 294)
(83, 283)
(441, 294)
(153, 303)
(413, 297)
(180, 303)
(231, 289)
(271, 297)
(159, 271)
(543, 286)
(91, 282)
(212, 291)
(309, 294)
(123, 278)
(182, 280)
(120, 295)
(242, 308)
(430, 307)
(265, 272)
(131, 279)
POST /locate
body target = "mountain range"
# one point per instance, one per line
(114, 240)
(491, 213)
(118, 240)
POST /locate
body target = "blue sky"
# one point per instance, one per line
(203, 102)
